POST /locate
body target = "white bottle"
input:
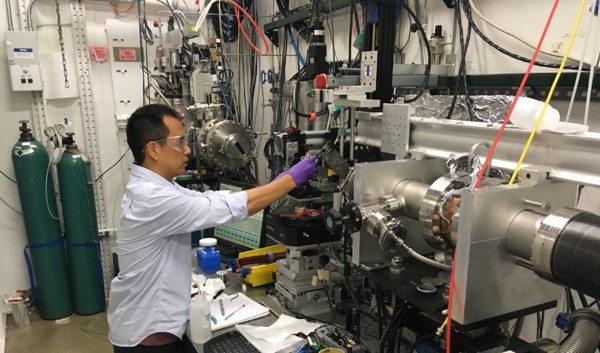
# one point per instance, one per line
(200, 319)
(527, 111)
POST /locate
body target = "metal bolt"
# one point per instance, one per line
(544, 206)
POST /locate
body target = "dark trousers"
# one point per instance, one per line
(183, 346)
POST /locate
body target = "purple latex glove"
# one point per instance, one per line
(302, 171)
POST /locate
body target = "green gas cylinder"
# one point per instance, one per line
(81, 229)
(36, 191)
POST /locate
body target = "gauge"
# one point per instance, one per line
(49, 131)
(60, 129)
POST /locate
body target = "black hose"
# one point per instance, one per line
(395, 320)
(585, 332)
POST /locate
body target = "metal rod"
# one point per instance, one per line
(9, 16)
(352, 128)
(342, 136)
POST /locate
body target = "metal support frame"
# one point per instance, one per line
(385, 52)
(89, 125)
(303, 13)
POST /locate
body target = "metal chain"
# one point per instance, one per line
(61, 41)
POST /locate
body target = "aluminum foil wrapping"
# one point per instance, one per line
(491, 109)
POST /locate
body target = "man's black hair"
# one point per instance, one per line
(147, 124)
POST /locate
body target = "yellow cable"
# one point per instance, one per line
(541, 116)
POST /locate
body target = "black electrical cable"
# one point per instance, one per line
(326, 290)
(426, 41)
(584, 301)
(299, 113)
(393, 322)
(112, 166)
(409, 33)
(570, 300)
(380, 310)
(7, 177)
(595, 301)
(352, 9)
(222, 18)
(279, 119)
(464, 44)
(300, 26)
(142, 24)
(396, 333)
(462, 74)
(253, 71)
(469, 14)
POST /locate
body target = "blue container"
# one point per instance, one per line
(209, 259)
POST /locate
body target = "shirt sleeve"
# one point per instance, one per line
(176, 212)
(195, 193)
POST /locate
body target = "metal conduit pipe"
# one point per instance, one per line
(585, 332)
(9, 16)
(29, 15)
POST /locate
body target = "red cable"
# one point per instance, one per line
(488, 158)
(450, 296)
(238, 8)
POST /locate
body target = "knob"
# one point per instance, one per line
(333, 221)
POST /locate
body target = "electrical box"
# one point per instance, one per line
(23, 61)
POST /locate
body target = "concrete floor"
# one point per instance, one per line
(90, 334)
(81, 334)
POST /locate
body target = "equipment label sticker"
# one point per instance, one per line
(127, 54)
(22, 152)
(23, 53)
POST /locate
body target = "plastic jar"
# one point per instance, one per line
(200, 319)
(209, 258)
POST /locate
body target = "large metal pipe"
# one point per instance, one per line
(585, 332)
(562, 247)
(521, 233)
(9, 16)
(410, 194)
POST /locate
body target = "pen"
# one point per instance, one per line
(235, 311)
(235, 296)
(221, 307)
(218, 293)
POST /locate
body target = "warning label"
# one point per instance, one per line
(127, 54)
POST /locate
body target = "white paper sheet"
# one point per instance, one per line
(279, 337)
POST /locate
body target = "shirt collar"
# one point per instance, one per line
(147, 174)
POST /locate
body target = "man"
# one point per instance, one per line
(149, 299)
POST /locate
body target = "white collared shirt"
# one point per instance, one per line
(152, 291)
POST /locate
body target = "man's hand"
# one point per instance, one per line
(303, 170)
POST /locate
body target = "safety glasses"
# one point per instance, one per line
(178, 143)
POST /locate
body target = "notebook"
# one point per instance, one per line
(233, 304)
